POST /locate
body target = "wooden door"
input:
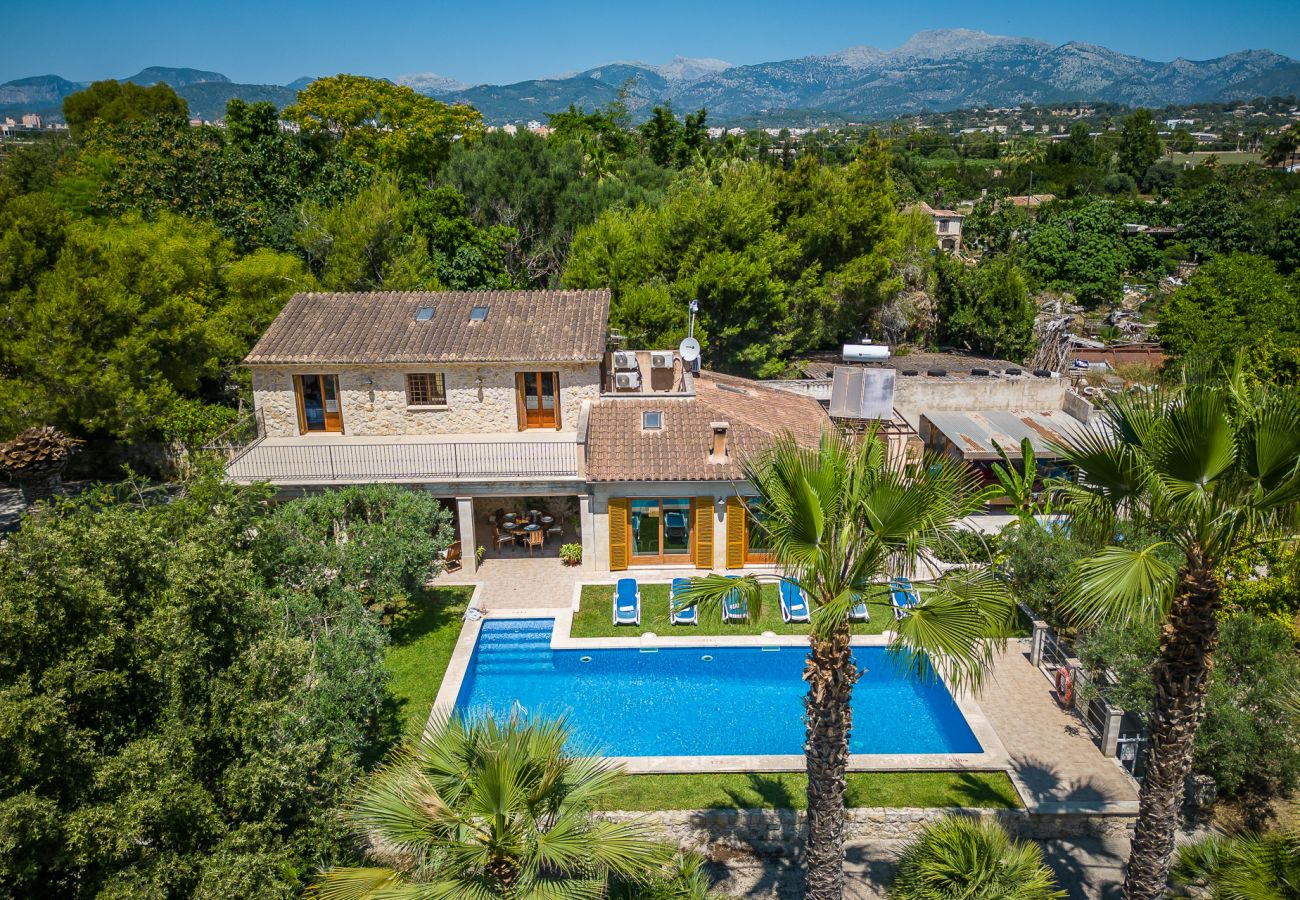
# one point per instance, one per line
(319, 406)
(538, 399)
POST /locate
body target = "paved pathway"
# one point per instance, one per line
(1053, 757)
(523, 582)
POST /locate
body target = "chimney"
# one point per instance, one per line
(719, 453)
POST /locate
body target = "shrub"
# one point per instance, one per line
(1261, 867)
(970, 547)
(1039, 563)
(1245, 743)
(971, 860)
(571, 554)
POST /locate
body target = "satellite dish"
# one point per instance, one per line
(689, 349)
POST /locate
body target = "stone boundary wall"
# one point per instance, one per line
(774, 829)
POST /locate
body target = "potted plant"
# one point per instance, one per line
(479, 552)
(571, 554)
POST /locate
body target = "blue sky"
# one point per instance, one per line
(505, 40)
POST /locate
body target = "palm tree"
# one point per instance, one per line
(36, 459)
(491, 809)
(840, 518)
(1213, 470)
(1243, 867)
(966, 859)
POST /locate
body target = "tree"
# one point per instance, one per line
(1283, 149)
(1236, 307)
(385, 124)
(1078, 249)
(1139, 144)
(1181, 141)
(965, 859)
(1212, 471)
(172, 724)
(116, 102)
(839, 518)
(1243, 867)
(380, 542)
(130, 316)
(986, 309)
(483, 808)
(661, 134)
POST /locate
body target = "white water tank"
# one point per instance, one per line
(866, 352)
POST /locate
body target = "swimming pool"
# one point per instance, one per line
(701, 702)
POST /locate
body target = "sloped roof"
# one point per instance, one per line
(381, 327)
(618, 449)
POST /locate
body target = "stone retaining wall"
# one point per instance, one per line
(772, 829)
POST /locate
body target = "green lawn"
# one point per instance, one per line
(787, 790)
(422, 640)
(593, 618)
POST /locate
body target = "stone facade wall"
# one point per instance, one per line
(374, 398)
(774, 829)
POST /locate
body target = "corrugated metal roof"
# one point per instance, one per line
(973, 434)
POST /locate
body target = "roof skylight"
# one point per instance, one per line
(652, 420)
(478, 314)
(424, 314)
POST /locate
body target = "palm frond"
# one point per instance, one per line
(1121, 584)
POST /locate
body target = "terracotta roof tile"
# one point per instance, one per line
(618, 449)
(380, 327)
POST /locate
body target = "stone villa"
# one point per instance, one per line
(510, 400)
(502, 402)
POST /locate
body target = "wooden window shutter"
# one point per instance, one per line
(735, 533)
(519, 401)
(702, 510)
(618, 542)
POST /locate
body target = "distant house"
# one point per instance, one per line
(947, 225)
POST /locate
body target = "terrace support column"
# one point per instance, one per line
(468, 542)
(587, 525)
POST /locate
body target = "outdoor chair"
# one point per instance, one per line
(902, 595)
(502, 537)
(689, 615)
(794, 607)
(734, 607)
(451, 557)
(627, 602)
(535, 539)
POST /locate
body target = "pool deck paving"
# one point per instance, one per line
(1047, 751)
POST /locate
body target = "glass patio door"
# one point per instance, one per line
(539, 399)
(661, 530)
(319, 408)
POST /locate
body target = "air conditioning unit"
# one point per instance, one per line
(661, 360)
(625, 359)
(627, 381)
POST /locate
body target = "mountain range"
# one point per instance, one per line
(933, 70)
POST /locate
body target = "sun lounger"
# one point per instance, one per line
(734, 607)
(794, 608)
(903, 596)
(627, 602)
(859, 612)
(689, 615)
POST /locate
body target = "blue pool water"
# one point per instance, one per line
(674, 702)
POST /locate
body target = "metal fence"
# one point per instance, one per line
(1119, 734)
(404, 461)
